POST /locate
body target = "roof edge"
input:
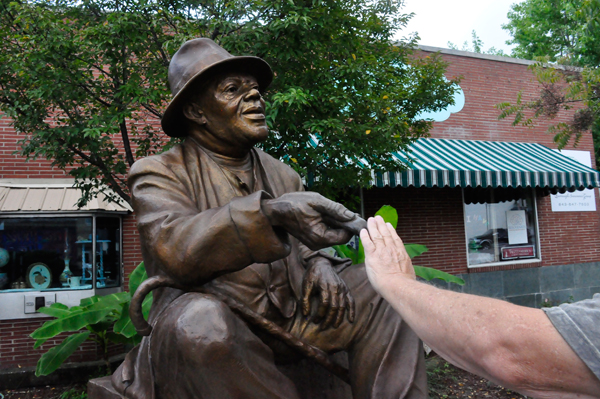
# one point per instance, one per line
(37, 183)
(490, 57)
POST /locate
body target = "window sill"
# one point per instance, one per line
(507, 263)
(83, 287)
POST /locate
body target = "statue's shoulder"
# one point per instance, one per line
(274, 164)
(158, 163)
(279, 173)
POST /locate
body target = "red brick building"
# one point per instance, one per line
(567, 242)
(550, 255)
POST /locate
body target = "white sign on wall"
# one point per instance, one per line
(516, 222)
(578, 201)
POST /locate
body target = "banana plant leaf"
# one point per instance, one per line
(52, 359)
(99, 302)
(146, 305)
(428, 273)
(389, 215)
(73, 322)
(55, 312)
(120, 339)
(346, 251)
(124, 326)
(137, 277)
(414, 250)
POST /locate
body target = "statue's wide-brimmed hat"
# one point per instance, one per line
(197, 61)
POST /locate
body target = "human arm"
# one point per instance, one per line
(514, 346)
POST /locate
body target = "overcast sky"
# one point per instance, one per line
(439, 21)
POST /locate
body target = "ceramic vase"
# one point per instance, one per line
(66, 273)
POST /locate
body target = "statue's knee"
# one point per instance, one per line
(205, 328)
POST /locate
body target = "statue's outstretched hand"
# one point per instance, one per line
(335, 299)
(310, 218)
(385, 254)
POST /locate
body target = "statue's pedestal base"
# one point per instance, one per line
(101, 388)
(311, 380)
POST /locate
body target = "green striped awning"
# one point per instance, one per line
(470, 163)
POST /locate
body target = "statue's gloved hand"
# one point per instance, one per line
(310, 218)
(335, 299)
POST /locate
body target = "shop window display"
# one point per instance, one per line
(56, 253)
(502, 231)
(108, 252)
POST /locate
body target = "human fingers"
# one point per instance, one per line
(367, 243)
(404, 260)
(376, 237)
(307, 288)
(333, 309)
(397, 242)
(386, 234)
(395, 236)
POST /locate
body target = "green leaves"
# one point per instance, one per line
(389, 215)
(71, 322)
(559, 35)
(428, 273)
(137, 277)
(124, 326)
(415, 250)
(51, 360)
(85, 79)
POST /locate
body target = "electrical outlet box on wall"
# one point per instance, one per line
(34, 302)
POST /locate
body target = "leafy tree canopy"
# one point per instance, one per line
(563, 36)
(476, 46)
(81, 79)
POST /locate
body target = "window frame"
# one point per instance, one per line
(538, 251)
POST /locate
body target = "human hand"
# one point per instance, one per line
(385, 255)
(310, 217)
(335, 298)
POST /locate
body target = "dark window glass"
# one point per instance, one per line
(40, 253)
(44, 253)
(108, 252)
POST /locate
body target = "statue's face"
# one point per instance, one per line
(233, 113)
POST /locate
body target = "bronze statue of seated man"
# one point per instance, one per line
(216, 212)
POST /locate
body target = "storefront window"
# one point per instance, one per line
(56, 253)
(503, 231)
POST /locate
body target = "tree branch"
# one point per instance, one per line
(107, 175)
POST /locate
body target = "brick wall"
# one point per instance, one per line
(15, 166)
(132, 252)
(16, 347)
(434, 216)
(485, 84)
